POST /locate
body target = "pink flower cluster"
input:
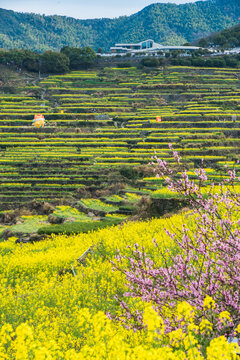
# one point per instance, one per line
(206, 259)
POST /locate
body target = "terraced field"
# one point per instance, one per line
(99, 122)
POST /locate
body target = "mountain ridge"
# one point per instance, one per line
(166, 23)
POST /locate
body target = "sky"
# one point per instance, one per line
(82, 9)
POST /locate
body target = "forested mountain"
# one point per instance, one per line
(226, 39)
(165, 23)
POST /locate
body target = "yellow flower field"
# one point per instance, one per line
(54, 307)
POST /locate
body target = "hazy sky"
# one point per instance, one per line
(82, 9)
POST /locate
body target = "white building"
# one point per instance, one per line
(147, 46)
(233, 51)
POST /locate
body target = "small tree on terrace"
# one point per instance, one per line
(80, 58)
(203, 43)
(54, 62)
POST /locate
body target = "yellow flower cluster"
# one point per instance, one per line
(225, 316)
(101, 338)
(209, 303)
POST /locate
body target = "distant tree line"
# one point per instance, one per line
(68, 58)
(216, 61)
(232, 61)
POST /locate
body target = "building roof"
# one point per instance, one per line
(155, 47)
(118, 47)
(166, 48)
(177, 47)
(122, 45)
(134, 44)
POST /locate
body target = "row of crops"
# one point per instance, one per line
(101, 121)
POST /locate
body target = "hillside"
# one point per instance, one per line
(101, 131)
(165, 23)
(227, 38)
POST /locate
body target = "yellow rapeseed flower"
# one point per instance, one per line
(224, 317)
(205, 326)
(209, 303)
(220, 349)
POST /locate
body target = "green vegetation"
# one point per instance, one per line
(62, 219)
(214, 62)
(67, 212)
(101, 133)
(95, 204)
(50, 61)
(26, 224)
(150, 62)
(226, 39)
(166, 23)
(77, 227)
(79, 58)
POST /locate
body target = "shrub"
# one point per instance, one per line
(54, 62)
(128, 172)
(125, 64)
(77, 227)
(150, 62)
(79, 58)
(198, 61)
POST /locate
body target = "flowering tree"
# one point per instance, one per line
(205, 271)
